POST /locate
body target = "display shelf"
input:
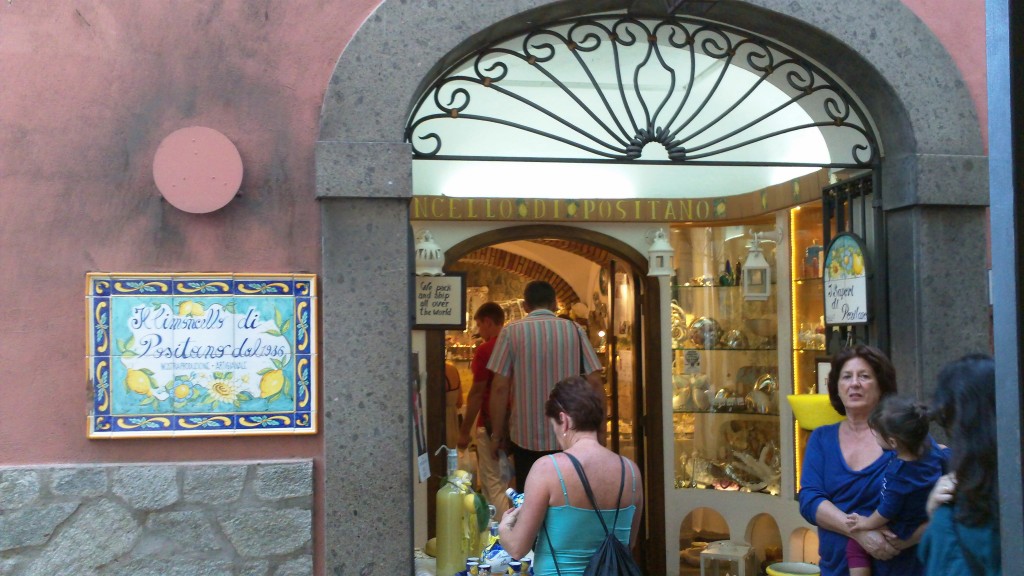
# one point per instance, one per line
(725, 365)
(730, 413)
(761, 349)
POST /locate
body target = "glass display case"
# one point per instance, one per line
(808, 308)
(725, 392)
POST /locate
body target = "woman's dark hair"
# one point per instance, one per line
(903, 419)
(965, 406)
(885, 374)
(577, 398)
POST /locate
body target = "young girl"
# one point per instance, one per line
(899, 424)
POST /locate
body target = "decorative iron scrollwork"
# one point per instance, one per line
(614, 84)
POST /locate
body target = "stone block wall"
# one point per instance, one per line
(194, 519)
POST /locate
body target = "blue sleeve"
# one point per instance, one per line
(813, 474)
(894, 493)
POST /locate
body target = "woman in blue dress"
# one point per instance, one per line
(843, 467)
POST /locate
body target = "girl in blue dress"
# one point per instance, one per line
(899, 424)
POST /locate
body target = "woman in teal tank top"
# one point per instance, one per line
(556, 516)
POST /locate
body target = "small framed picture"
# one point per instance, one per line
(441, 302)
(823, 366)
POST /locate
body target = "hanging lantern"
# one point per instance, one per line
(429, 256)
(659, 255)
(757, 275)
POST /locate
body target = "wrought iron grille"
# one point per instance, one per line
(601, 88)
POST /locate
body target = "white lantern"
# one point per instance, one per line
(659, 255)
(429, 256)
(757, 274)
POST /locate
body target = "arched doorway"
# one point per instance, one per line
(617, 321)
(364, 183)
(604, 113)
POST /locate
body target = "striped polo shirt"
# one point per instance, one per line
(537, 352)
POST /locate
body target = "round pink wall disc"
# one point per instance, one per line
(197, 169)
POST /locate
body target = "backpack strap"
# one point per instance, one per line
(550, 546)
(590, 491)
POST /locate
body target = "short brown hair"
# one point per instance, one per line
(490, 310)
(577, 398)
(885, 374)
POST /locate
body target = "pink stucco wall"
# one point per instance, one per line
(87, 92)
(960, 26)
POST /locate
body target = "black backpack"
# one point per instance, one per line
(612, 558)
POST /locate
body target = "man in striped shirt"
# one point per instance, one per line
(530, 356)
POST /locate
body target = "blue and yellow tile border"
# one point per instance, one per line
(192, 354)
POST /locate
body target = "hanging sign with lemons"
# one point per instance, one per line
(845, 278)
(193, 355)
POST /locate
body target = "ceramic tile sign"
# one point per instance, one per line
(201, 355)
(846, 281)
(441, 302)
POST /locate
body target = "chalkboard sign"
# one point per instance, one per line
(441, 302)
(846, 281)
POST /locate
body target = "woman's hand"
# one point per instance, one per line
(509, 518)
(942, 493)
(875, 543)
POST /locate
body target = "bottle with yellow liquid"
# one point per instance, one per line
(451, 548)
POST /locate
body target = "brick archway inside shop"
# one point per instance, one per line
(933, 177)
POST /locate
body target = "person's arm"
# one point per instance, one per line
(473, 401)
(519, 526)
(499, 411)
(816, 506)
(942, 493)
(858, 523)
(638, 500)
(451, 374)
(901, 545)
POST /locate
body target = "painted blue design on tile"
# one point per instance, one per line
(206, 286)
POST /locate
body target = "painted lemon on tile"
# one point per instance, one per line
(182, 390)
(190, 308)
(271, 383)
(139, 382)
(858, 265)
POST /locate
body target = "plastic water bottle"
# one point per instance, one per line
(517, 498)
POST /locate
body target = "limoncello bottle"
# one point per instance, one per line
(451, 557)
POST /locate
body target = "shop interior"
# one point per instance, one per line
(739, 343)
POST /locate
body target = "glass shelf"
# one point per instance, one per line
(772, 349)
(810, 280)
(727, 412)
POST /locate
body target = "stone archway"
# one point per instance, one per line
(933, 162)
